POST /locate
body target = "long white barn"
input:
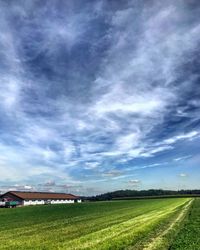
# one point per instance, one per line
(39, 198)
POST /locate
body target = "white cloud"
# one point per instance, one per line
(113, 173)
(183, 175)
(91, 165)
(134, 182)
(130, 95)
(190, 135)
(155, 150)
(10, 93)
(127, 142)
(28, 187)
(139, 102)
(182, 158)
(68, 32)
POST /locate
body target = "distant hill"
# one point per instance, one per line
(138, 194)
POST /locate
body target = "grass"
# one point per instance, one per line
(101, 225)
(188, 237)
(164, 237)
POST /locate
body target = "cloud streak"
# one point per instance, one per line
(95, 91)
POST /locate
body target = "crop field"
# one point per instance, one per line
(188, 237)
(134, 224)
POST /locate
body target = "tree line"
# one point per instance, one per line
(151, 193)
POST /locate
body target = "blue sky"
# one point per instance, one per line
(100, 95)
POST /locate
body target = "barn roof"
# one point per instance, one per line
(41, 195)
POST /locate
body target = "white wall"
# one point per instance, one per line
(41, 202)
(33, 202)
(61, 201)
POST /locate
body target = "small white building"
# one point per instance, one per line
(40, 198)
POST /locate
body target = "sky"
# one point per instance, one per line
(99, 95)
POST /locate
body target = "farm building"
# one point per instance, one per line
(39, 198)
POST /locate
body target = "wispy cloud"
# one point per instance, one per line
(182, 158)
(113, 173)
(183, 175)
(190, 135)
(88, 92)
(134, 183)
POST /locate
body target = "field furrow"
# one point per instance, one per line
(101, 225)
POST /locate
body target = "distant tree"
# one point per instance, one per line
(142, 193)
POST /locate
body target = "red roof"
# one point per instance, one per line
(41, 195)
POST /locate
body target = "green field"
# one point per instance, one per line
(188, 237)
(135, 224)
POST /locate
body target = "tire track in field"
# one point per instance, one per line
(96, 229)
(121, 213)
(157, 241)
(128, 228)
